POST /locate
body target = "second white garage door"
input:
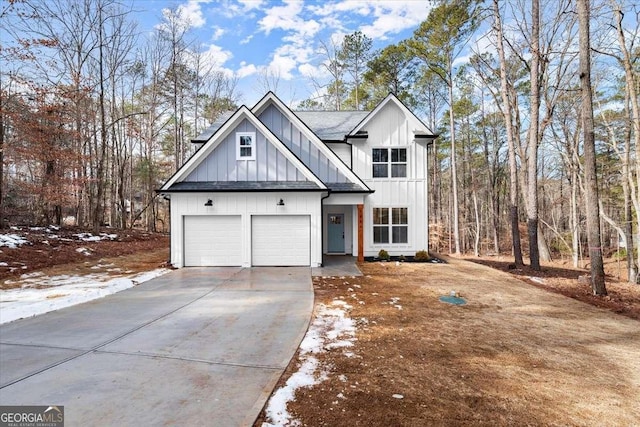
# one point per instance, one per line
(281, 240)
(212, 240)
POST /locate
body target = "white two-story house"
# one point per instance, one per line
(272, 187)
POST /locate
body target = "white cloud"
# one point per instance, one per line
(246, 70)
(282, 66)
(251, 4)
(246, 39)
(215, 57)
(217, 32)
(315, 72)
(191, 13)
(282, 17)
(392, 17)
(360, 7)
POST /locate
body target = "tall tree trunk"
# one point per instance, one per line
(1, 158)
(591, 181)
(532, 181)
(630, 77)
(454, 173)
(98, 207)
(513, 166)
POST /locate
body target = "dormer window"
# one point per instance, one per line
(245, 146)
(389, 162)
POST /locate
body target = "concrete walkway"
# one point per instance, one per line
(197, 346)
(337, 265)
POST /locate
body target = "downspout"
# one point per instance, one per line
(168, 199)
(322, 226)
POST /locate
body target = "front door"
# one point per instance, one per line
(335, 233)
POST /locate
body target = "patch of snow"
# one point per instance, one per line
(12, 241)
(3, 264)
(43, 294)
(331, 328)
(536, 279)
(88, 237)
(84, 251)
(397, 396)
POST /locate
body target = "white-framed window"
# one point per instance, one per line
(245, 145)
(390, 225)
(389, 162)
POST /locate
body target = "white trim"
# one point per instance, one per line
(419, 128)
(240, 146)
(390, 163)
(216, 139)
(389, 226)
(333, 157)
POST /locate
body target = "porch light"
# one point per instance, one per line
(280, 203)
(209, 203)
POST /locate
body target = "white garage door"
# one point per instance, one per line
(212, 240)
(281, 240)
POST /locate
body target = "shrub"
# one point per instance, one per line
(384, 255)
(422, 256)
(402, 258)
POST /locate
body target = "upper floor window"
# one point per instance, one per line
(389, 162)
(246, 146)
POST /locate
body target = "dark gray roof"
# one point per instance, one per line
(331, 125)
(208, 132)
(345, 187)
(243, 186)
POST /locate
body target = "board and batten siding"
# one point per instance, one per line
(300, 145)
(221, 164)
(246, 205)
(391, 128)
(342, 150)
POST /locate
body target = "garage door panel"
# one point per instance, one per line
(212, 240)
(281, 240)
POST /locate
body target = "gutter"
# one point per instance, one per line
(322, 227)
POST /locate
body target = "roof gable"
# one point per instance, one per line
(211, 162)
(419, 128)
(306, 145)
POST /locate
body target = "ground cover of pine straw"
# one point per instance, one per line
(515, 354)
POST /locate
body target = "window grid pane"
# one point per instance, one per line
(398, 155)
(380, 155)
(381, 234)
(399, 216)
(380, 215)
(380, 170)
(400, 234)
(398, 170)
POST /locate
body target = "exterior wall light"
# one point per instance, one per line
(209, 203)
(280, 203)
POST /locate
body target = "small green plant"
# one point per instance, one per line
(402, 258)
(384, 255)
(422, 256)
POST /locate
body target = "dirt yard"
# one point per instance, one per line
(70, 250)
(515, 354)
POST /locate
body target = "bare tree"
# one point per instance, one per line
(511, 140)
(590, 173)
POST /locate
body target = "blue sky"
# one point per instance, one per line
(254, 38)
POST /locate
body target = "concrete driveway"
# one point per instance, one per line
(197, 346)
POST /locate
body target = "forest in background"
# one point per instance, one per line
(94, 117)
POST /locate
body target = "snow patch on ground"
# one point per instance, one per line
(332, 328)
(42, 294)
(12, 240)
